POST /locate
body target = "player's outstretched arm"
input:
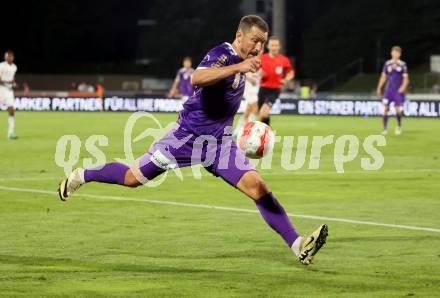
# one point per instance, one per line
(209, 76)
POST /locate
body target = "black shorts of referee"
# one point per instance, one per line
(268, 96)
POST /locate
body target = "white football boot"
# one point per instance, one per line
(71, 184)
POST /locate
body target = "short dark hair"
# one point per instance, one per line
(396, 48)
(9, 52)
(187, 58)
(274, 37)
(249, 21)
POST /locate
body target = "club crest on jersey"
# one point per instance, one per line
(279, 70)
(236, 81)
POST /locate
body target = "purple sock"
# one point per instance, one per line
(113, 173)
(399, 119)
(275, 216)
(385, 122)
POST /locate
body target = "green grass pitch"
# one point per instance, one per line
(99, 244)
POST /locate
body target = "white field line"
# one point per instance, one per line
(263, 172)
(29, 179)
(204, 206)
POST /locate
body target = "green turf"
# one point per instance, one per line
(100, 247)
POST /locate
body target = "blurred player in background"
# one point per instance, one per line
(219, 85)
(395, 75)
(182, 86)
(251, 88)
(7, 82)
(276, 71)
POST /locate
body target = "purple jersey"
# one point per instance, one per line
(395, 71)
(184, 78)
(210, 109)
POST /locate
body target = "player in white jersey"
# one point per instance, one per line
(7, 82)
(251, 88)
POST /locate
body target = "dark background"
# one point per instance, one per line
(104, 36)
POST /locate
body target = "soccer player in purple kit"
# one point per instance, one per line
(219, 84)
(183, 81)
(395, 75)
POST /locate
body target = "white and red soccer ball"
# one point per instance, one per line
(255, 139)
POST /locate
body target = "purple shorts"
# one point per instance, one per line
(181, 148)
(397, 98)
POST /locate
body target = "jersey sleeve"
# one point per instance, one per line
(217, 57)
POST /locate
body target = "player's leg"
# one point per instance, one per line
(398, 109)
(250, 113)
(271, 210)
(11, 121)
(252, 106)
(155, 162)
(236, 169)
(247, 112)
(253, 111)
(110, 173)
(398, 104)
(266, 98)
(244, 118)
(263, 107)
(385, 116)
(305, 248)
(264, 113)
(11, 114)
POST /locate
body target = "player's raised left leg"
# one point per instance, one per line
(265, 113)
(239, 173)
(305, 248)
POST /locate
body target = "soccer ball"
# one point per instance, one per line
(255, 139)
